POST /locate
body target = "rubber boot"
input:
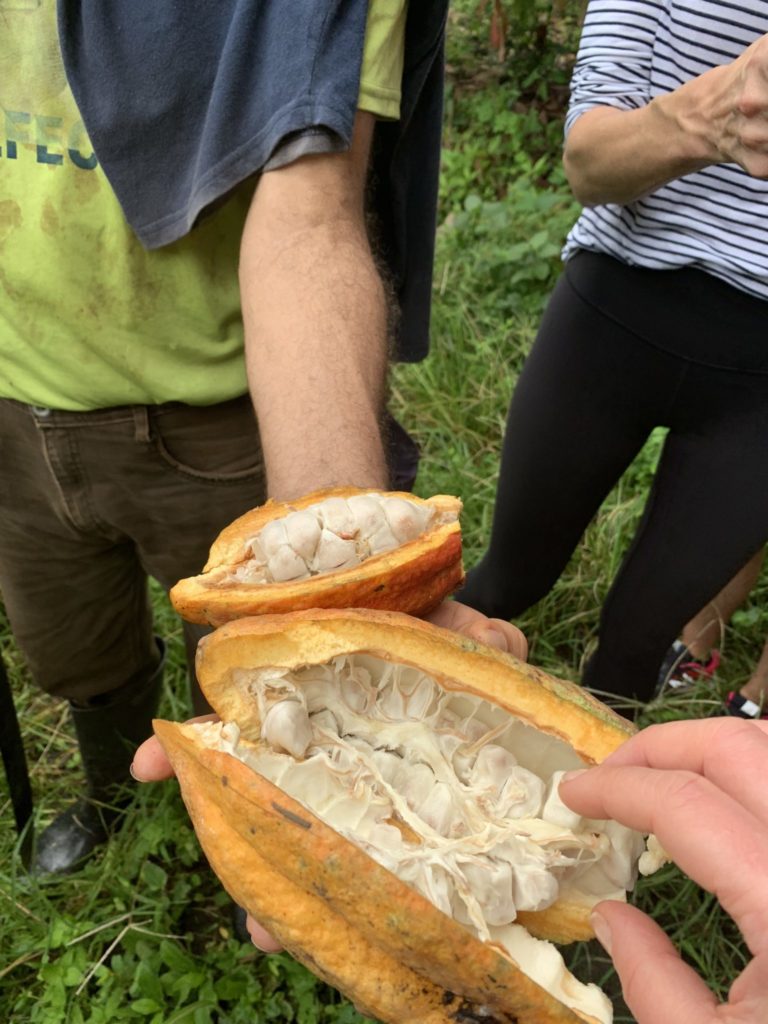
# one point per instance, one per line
(108, 729)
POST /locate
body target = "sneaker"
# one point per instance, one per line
(680, 670)
(739, 706)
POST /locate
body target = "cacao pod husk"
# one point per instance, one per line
(413, 577)
(352, 921)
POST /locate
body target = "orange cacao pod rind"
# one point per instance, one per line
(381, 943)
(556, 706)
(378, 940)
(412, 578)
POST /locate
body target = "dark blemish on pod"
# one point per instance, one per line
(290, 816)
(471, 1013)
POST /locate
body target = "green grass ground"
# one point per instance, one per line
(142, 931)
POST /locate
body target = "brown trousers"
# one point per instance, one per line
(91, 504)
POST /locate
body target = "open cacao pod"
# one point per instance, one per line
(381, 795)
(340, 548)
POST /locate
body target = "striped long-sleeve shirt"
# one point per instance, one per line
(715, 219)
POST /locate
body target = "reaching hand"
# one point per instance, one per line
(699, 787)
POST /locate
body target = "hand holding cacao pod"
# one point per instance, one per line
(382, 796)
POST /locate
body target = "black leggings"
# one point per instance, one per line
(588, 396)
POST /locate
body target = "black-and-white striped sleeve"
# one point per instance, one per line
(717, 218)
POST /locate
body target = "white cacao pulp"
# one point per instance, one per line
(451, 793)
(333, 534)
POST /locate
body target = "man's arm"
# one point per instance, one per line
(315, 314)
(616, 156)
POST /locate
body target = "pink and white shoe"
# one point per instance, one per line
(680, 670)
(739, 706)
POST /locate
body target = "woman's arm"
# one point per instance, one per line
(615, 155)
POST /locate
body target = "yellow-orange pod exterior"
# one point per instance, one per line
(413, 578)
(351, 921)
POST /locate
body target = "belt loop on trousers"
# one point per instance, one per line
(142, 428)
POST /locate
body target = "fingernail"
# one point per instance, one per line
(601, 930)
(569, 776)
(134, 776)
(494, 638)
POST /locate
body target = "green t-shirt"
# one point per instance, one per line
(88, 318)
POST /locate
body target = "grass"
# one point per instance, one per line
(142, 931)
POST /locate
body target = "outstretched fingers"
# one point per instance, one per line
(658, 987)
(719, 843)
(731, 752)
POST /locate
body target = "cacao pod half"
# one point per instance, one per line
(381, 795)
(340, 548)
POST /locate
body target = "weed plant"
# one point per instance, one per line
(142, 932)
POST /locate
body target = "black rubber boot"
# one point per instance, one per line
(108, 728)
(192, 636)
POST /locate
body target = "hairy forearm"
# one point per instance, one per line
(316, 348)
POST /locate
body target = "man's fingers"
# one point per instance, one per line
(730, 752)
(150, 763)
(699, 826)
(260, 938)
(658, 987)
(501, 634)
(497, 633)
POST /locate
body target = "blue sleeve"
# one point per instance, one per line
(184, 99)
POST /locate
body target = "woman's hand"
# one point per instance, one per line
(699, 786)
(617, 155)
(733, 110)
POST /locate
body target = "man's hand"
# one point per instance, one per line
(698, 787)
(151, 765)
(495, 632)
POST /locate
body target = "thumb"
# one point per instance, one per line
(260, 937)
(658, 987)
(500, 634)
